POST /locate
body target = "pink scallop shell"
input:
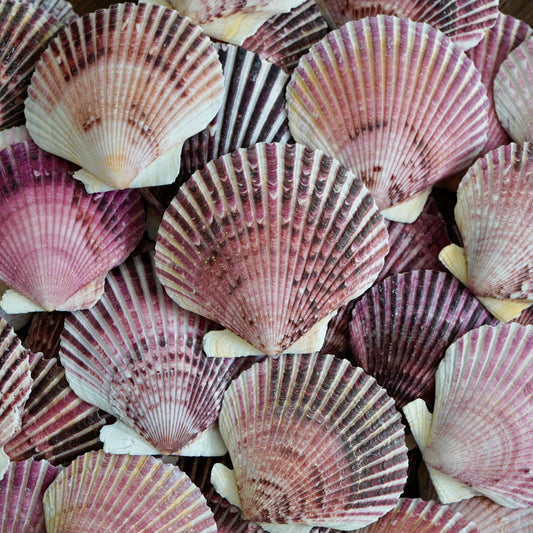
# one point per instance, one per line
(274, 231)
(423, 118)
(21, 496)
(148, 496)
(61, 10)
(401, 328)
(463, 21)
(313, 441)
(52, 267)
(138, 356)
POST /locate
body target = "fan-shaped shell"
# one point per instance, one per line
(513, 94)
(14, 135)
(478, 440)
(401, 327)
(230, 21)
(138, 356)
(24, 33)
(21, 496)
(494, 205)
(44, 333)
(50, 267)
(410, 108)
(269, 241)
(148, 496)
(313, 441)
(463, 21)
(119, 90)
(56, 425)
(488, 55)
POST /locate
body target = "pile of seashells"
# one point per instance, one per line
(231, 300)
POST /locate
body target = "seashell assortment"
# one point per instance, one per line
(263, 185)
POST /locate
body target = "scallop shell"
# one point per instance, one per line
(15, 386)
(17, 320)
(488, 55)
(419, 516)
(424, 119)
(62, 10)
(120, 104)
(148, 497)
(56, 425)
(513, 95)
(24, 33)
(401, 327)
(230, 21)
(138, 356)
(494, 205)
(21, 496)
(48, 267)
(490, 517)
(274, 231)
(463, 21)
(253, 110)
(283, 38)
(313, 441)
(44, 333)
(478, 439)
(14, 135)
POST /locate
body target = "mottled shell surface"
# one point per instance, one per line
(409, 106)
(53, 268)
(131, 494)
(313, 441)
(61, 10)
(138, 356)
(120, 104)
(268, 241)
(463, 21)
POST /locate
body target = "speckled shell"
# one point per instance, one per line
(494, 205)
(488, 55)
(274, 232)
(61, 10)
(148, 496)
(120, 104)
(24, 33)
(50, 267)
(231, 20)
(138, 356)
(396, 137)
(56, 425)
(44, 333)
(313, 441)
(513, 93)
(13, 135)
(15, 386)
(419, 516)
(283, 38)
(463, 21)
(21, 496)
(401, 327)
(480, 430)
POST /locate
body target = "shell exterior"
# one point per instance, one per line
(56, 425)
(15, 386)
(425, 119)
(148, 497)
(488, 55)
(51, 267)
(513, 95)
(44, 333)
(463, 21)
(274, 231)
(283, 38)
(490, 517)
(253, 110)
(138, 356)
(480, 430)
(120, 104)
(13, 135)
(419, 516)
(401, 327)
(62, 10)
(313, 441)
(21, 496)
(230, 21)
(494, 205)
(24, 33)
